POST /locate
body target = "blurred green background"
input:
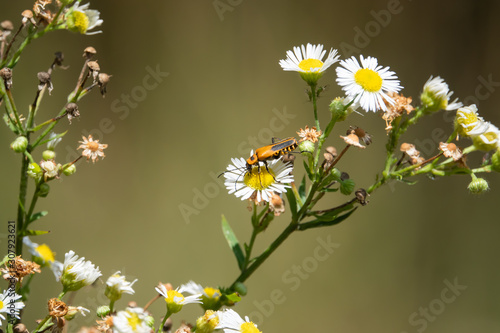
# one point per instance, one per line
(225, 90)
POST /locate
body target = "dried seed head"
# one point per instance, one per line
(72, 111)
(7, 25)
(59, 58)
(93, 66)
(332, 151)
(44, 79)
(361, 134)
(132, 304)
(361, 196)
(20, 328)
(352, 140)
(276, 204)
(28, 14)
(89, 52)
(6, 75)
(344, 176)
(57, 308)
(102, 80)
(450, 150)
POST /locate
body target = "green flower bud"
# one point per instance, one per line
(347, 186)
(34, 171)
(495, 161)
(44, 190)
(19, 145)
(240, 288)
(336, 173)
(306, 147)
(68, 171)
(48, 155)
(478, 185)
(103, 311)
(150, 321)
(338, 109)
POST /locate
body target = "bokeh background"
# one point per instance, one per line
(222, 97)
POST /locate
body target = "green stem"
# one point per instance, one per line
(163, 321)
(11, 106)
(315, 107)
(23, 187)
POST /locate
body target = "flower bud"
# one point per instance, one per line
(495, 161)
(240, 288)
(347, 186)
(150, 321)
(103, 311)
(338, 109)
(48, 155)
(478, 185)
(69, 170)
(44, 190)
(20, 144)
(207, 322)
(306, 147)
(34, 171)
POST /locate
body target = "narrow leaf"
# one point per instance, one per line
(302, 189)
(309, 174)
(52, 138)
(233, 242)
(35, 232)
(291, 201)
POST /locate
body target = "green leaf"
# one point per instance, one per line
(327, 222)
(10, 124)
(407, 182)
(233, 242)
(233, 297)
(38, 215)
(35, 232)
(292, 201)
(302, 189)
(329, 190)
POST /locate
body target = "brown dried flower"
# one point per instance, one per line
(450, 150)
(310, 134)
(352, 140)
(92, 149)
(57, 308)
(402, 104)
(19, 269)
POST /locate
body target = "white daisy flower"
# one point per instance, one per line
(10, 305)
(131, 320)
(231, 322)
(44, 256)
(436, 95)
(367, 83)
(116, 285)
(209, 296)
(259, 184)
(77, 272)
(81, 19)
(308, 61)
(488, 139)
(176, 300)
(468, 122)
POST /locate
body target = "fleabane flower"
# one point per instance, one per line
(10, 304)
(77, 272)
(44, 256)
(308, 61)
(468, 122)
(261, 182)
(81, 19)
(368, 83)
(116, 285)
(488, 139)
(209, 296)
(176, 300)
(436, 96)
(208, 322)
(92, 148)
(231, 322)
(131, 320)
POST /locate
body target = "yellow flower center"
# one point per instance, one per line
(173, 297)
(309, 64)
(259, 179)
(212, 292)
(1, 304)
(46, 253)
(467, 120)
(368, 79)
(133, 321)
(81, 22)
(249, 328)
(491, 136)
